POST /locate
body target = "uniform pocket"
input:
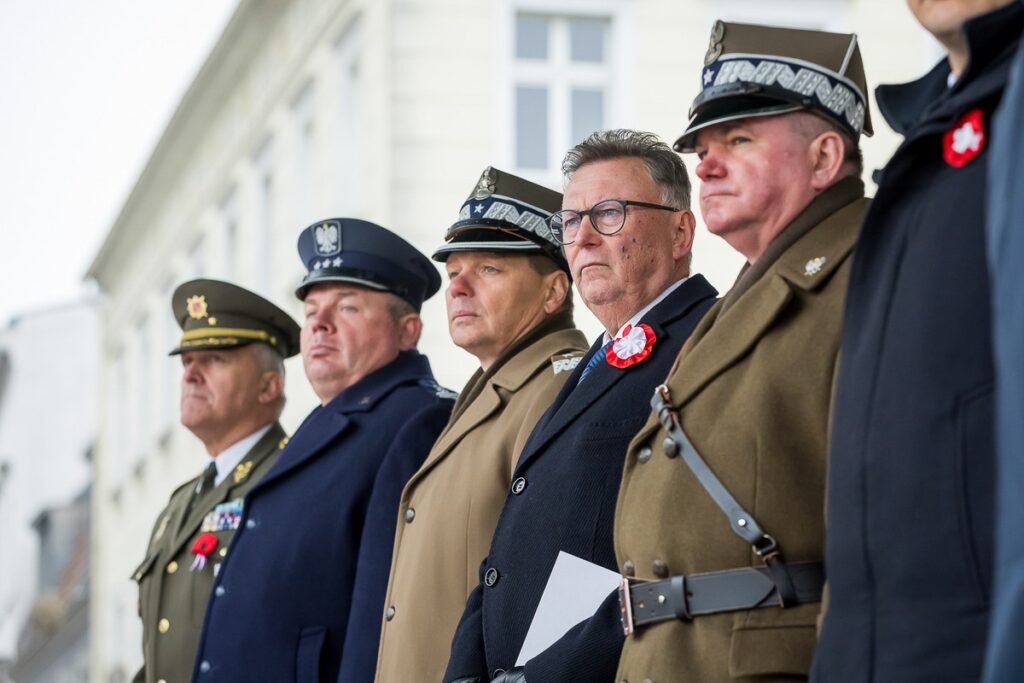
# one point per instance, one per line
(309, 653)
(976, 463)
(773, 641)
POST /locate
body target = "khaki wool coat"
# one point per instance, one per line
(450, 507)
(753, 386)
(172, 596)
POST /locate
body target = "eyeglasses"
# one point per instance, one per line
(607, 217)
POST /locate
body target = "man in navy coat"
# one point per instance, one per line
(304, 581)
(1005, 657)
(627, 232)
(908, 537)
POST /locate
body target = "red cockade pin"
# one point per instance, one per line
(631, 347)
(203, 546)
(964, 140)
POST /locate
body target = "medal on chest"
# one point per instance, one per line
(965, 140)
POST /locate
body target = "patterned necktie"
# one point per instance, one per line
(594, 361)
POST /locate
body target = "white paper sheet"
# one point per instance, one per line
(575, 589)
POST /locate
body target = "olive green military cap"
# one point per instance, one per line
(505, 213)
(219, 315)
(752, 70)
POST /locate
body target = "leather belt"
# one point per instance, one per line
(684, 597)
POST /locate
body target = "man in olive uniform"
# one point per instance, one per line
(719, 516)
(510, 305)
(232, 350)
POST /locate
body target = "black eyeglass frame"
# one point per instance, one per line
(556, 232)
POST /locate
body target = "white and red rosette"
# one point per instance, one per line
(965, 140)
(631, 347)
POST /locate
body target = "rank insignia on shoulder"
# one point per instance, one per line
(439, 391)
(160, 529)
(565, 363)
(223, 517)
(282, 443)
(242, 471)
(814, 266)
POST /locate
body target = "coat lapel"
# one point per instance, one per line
(481, 409)
(264, 448)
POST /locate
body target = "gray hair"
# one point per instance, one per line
(665, 166)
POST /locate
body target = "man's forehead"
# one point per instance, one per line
(337, 290)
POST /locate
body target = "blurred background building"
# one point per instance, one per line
(305, 109)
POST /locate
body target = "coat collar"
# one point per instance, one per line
(921, 106)
(573, 400)
(186, 527)
(721, 338)
(325, 423)
(514, 373)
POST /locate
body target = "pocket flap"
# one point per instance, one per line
(143, 569)
(765, 650)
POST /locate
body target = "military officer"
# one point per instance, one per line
(627, 232)
(304, 583)
(510, 305)
(911, 471)
(719, 522)
(232, 349)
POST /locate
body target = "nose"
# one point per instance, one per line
(190, 373)
(458, 286)
(318, 320)
(586, 234)
(710, 166)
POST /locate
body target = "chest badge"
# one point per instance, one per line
(965, 140)
(814, 266)
(632, 347)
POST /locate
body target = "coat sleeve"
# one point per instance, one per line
(467, 659)
(406, 453)
(589, 651)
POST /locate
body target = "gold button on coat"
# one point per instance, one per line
(164, 626)
(224, 551)
(172, 567)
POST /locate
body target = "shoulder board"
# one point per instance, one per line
(441, 392)
(566, 362)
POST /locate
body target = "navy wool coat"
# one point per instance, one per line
(570, 471)
(320, 523)
(910, 485)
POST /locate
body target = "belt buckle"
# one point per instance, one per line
(626, 606)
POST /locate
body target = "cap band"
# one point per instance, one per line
(498, 210)
(789, 79)
(224, 336)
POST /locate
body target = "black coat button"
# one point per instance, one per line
(518, 485)
(491, 577)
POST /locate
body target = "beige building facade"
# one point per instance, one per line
(386, 110)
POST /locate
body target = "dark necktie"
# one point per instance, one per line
(205, 485)
(594, 361)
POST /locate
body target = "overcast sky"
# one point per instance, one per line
(87, 88)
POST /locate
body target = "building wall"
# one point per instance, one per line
(47, 424)
(387, 110)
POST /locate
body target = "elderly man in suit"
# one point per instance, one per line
(720, 510)
(510, 305)
(310, 558)
(232, 349)
(627, 231)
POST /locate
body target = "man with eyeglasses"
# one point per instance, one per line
(719, 528)
(627, 232)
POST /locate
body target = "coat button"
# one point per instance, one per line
(647, 680)
(671, 447)
(224, 551)
(491, 577)
(205, 666)
(219, 591)
(390, 613)
(643, 455)
(518, 485)
(410, 514)
(172, 567)
(628, 568)
(163, 626)
(659, 569)
(162, 680)
(250, 524)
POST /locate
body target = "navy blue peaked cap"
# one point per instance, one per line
(365, 254)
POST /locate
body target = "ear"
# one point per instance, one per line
(557, 286)
(409, 328)
(271, 387)
(682, 236)
(827, 152)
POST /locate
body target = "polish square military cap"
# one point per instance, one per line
(219, 315)
(752, 70)
(365, 254)
(505, 213)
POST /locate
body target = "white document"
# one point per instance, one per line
(576, 588)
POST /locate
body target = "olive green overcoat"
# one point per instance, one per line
(450, 507)
(753, 385)
(172, 595)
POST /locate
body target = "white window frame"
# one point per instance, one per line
(511, 72)
(267, 191)
(303, 114)
(350, 94)
(826, 15)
